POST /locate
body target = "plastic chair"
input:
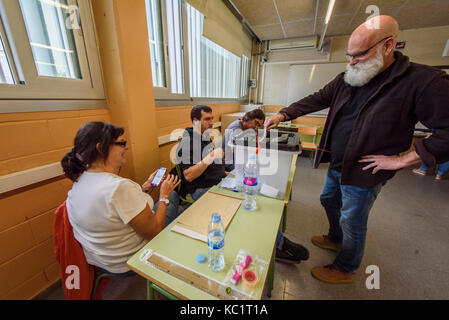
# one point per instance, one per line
(188, 200)
(309, 131)
(99, 275)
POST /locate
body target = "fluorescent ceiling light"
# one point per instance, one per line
(329, 11)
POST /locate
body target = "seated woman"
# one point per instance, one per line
(112, 217)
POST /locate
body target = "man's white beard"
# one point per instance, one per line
(361, 73)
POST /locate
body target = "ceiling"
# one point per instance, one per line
(277, 19)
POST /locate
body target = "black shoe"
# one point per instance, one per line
(295, 249)
(285, 256)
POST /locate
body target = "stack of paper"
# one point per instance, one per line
(195, 220)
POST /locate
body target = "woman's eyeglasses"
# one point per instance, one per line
(120, 143)
(362, 53)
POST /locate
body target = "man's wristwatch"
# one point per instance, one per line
(165, 200)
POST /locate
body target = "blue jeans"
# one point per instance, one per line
(347, 209)
(442, 168)
(199, 192)
(172, 208)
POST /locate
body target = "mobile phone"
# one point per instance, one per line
(158, 178)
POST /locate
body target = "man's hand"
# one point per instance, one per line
(214, 154)
(272, 122)
(382, 163)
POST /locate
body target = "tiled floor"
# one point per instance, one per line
(407, 239)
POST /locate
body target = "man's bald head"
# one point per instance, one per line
(371, 49)
(373, 30)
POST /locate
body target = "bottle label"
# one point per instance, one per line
(250, 181)
(216, 245)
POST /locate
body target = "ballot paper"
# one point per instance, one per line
(228, 183)
(269, 191)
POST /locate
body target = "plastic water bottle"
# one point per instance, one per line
(250, 183)
(215, 241)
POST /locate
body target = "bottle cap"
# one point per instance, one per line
(200, 258)
(252, 156)
(216, 217)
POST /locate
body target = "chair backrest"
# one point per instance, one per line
(178, 171)
(308, 131)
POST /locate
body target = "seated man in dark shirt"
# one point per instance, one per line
(253, 119)
(200, 162)
(202, 167)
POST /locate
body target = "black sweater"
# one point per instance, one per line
(385, 123)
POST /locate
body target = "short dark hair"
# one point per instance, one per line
(196, 111)
(85, 150)
(254, 114)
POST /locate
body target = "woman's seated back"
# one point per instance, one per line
(111, 216)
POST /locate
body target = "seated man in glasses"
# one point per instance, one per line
(253, 119)
(201, 166)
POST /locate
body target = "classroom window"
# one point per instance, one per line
(155, 37)
(48, 51)
(244, 76)
(214, 71)
(175, 45)
(51, 39)
(6, 75)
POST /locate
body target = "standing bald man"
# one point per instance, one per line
(374, 107)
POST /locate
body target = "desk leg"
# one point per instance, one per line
(151, 287)
(271, 273)
(284, 218)
(150, 291)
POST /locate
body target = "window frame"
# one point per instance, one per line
(224, 62)
(247, 72)
(9, 55)
(164, 93)
(36, 87)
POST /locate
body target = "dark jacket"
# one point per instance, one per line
(385, 124)
(186, 158)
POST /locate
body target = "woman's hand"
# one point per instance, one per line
(168, 185)
(147, 184)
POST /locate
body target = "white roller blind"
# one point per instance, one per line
(214, 71)
(199, 5)
(224, 29)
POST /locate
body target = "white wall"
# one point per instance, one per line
(422, 46)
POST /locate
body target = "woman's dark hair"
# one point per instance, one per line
(85, 151)
(196, 111)
(254, 114)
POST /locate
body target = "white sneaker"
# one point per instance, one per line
(419, 171)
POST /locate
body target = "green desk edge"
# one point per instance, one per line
(244, 232)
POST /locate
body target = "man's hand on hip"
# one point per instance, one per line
(380, 162)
